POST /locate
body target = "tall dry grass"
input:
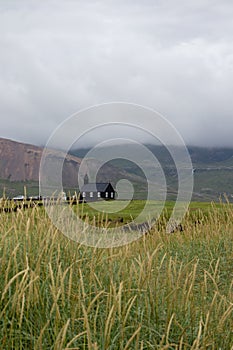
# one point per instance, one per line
(161, 292)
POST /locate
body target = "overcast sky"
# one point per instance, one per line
(175, 56)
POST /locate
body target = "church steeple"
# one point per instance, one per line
(86, 179)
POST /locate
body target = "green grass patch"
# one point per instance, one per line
(111, 212)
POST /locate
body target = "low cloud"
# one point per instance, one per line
(59, 57)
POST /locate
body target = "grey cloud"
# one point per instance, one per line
(60, 56)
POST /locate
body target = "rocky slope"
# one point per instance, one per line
(21, 162)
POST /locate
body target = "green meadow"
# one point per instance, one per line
(163, 291)
(110, 212)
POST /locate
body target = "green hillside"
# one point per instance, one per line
(213, 171)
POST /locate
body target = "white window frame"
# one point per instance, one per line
(91, 194)
(84, 194)
(106, 194)
(98, 194)
(112, 194)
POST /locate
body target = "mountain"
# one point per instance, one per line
(213, 169)
(19, 161)
(20, 164)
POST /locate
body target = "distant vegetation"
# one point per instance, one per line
(164, 291)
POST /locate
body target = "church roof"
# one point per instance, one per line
(95, 187)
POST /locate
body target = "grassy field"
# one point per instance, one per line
(134, 208)
(164, 291)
